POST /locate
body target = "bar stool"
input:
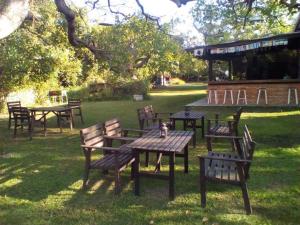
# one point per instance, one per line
(260, 91)
(243, 97)
(210, 93)
(225, 96)
(295, 94)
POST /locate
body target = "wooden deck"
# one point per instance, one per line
(203, 103)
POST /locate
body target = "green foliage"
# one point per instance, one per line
(223, 20)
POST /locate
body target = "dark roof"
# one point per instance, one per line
(237, 48)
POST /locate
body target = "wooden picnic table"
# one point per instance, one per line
(175, 142)
(189, 117)
(40, 114)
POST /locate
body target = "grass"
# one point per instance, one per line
(40, 180)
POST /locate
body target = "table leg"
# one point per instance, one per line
(136, 172)
(171, 176)
(173, 122)
(202, 125)
(195, 132)
(186, 159)
(45, 123)
(184, 124)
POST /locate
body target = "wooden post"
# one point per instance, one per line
(210, 70)
(230, 70)
(298, 56)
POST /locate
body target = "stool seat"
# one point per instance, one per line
(260, 91)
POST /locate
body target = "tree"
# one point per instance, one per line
(223, 20)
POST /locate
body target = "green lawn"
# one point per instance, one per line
(40, 180)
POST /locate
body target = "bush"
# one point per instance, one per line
(118, 91)
(176, 81)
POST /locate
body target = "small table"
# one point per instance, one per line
(192, 117)
(175, 142)
(57, 110)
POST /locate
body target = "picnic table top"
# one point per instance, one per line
(151, 141)
(58, 108)
(190, 115)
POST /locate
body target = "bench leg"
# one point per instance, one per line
(246, 198)
(117, 181)
(202, 183)
(85, 178)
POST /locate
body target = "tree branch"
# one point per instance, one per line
(73, 39)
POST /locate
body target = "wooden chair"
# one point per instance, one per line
(23, 117)
(230, 168)
(75, 104)
(222, 127)
(114, 131)
(10, 105)
(149, 120)
(116, 159)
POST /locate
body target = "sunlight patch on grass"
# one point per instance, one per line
(178, 93)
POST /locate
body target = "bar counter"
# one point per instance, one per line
(277, 91)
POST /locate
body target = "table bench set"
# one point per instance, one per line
(231, 167)
(37, 116)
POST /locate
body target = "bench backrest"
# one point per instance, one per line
(13, 104)
(74, 102)
(93, 135)
(245, 148)
(113, 127)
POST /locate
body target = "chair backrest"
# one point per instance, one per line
(13, 104)
(93, 135)
(149, 112)
(141, 118)
(113, 127)
(146, 116)
(245, 148)
(74, 102)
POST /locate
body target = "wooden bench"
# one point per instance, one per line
(223, 127)
(231, 168)
(116, 159)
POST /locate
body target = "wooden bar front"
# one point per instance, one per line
(277, 91)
